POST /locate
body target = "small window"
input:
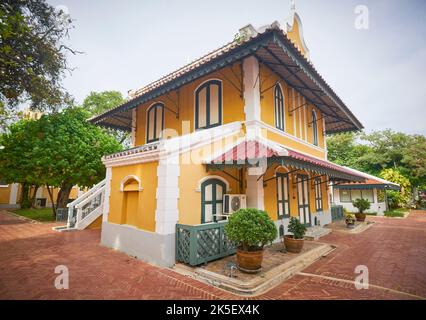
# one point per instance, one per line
(368, 194)
(345, 195)
(314, 128)
(208, 105)
(283, 196)
(279, 108)
(318, 194)
(154, 122)
(355, 194)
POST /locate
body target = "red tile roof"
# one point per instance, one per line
(255, 150)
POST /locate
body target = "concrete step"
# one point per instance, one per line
(316, 232)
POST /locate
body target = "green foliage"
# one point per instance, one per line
(58, 150)
(381, 150)
(98, 102)
(361, 204)
(395, 213)
(43, 215)
(251, 229)
(296, 228)
(397, 198)
(32, 54)
(350, 218)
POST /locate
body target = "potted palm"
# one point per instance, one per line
(251, 230)
(361, 205)
(350, 220)
(294, 243)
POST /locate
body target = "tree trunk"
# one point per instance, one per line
(33, 196)
(64, 195)
(25, 201)
(50, 192)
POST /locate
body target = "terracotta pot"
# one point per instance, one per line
(350, 225)
(249, 261)
(360, 216)
(293, 245)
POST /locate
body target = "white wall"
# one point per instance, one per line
(378, 207)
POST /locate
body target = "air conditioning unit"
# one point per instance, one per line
(233, 202)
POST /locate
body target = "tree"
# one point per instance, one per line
(397, 199)
(98, 102)
(33, 54)
(59, 150)
(345, 149)
(381, 150)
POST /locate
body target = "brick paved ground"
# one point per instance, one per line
(393, 249)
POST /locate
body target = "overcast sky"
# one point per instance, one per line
(379, 73)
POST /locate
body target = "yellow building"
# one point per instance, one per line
(248, 119)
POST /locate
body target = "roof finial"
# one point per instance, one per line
(293, 5)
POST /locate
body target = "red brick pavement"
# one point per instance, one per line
(394, 250)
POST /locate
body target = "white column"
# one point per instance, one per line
(13, 198)
(105, 209)
(167, 212)
(251, 95)
(254, 192)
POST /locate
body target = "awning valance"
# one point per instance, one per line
(253, 153)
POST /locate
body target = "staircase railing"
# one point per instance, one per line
(87, 206)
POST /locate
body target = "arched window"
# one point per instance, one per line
(314, 127)
(154, 122)
(279, 108)
(208, 105)
(212, 191)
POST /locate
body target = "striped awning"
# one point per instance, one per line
(249, 152)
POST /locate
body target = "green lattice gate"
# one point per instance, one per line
(199, 244)
(336, 212)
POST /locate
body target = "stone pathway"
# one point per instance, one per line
(394, 250)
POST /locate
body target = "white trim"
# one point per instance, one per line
(13, 197)
(130, 177)
(4, 186)
(195, 101)
(105, 210)
(180, 144)
(198, 189)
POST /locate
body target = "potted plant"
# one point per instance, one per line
(350, 220)
(251, 230)
(362, 205)
(294, 243)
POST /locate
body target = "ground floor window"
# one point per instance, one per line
(212, 192)
(318, 194)
(349, 195)
(283, 195)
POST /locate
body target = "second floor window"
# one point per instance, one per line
(279, 108)
(314, 128)
(154, 122)
(208, 105)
